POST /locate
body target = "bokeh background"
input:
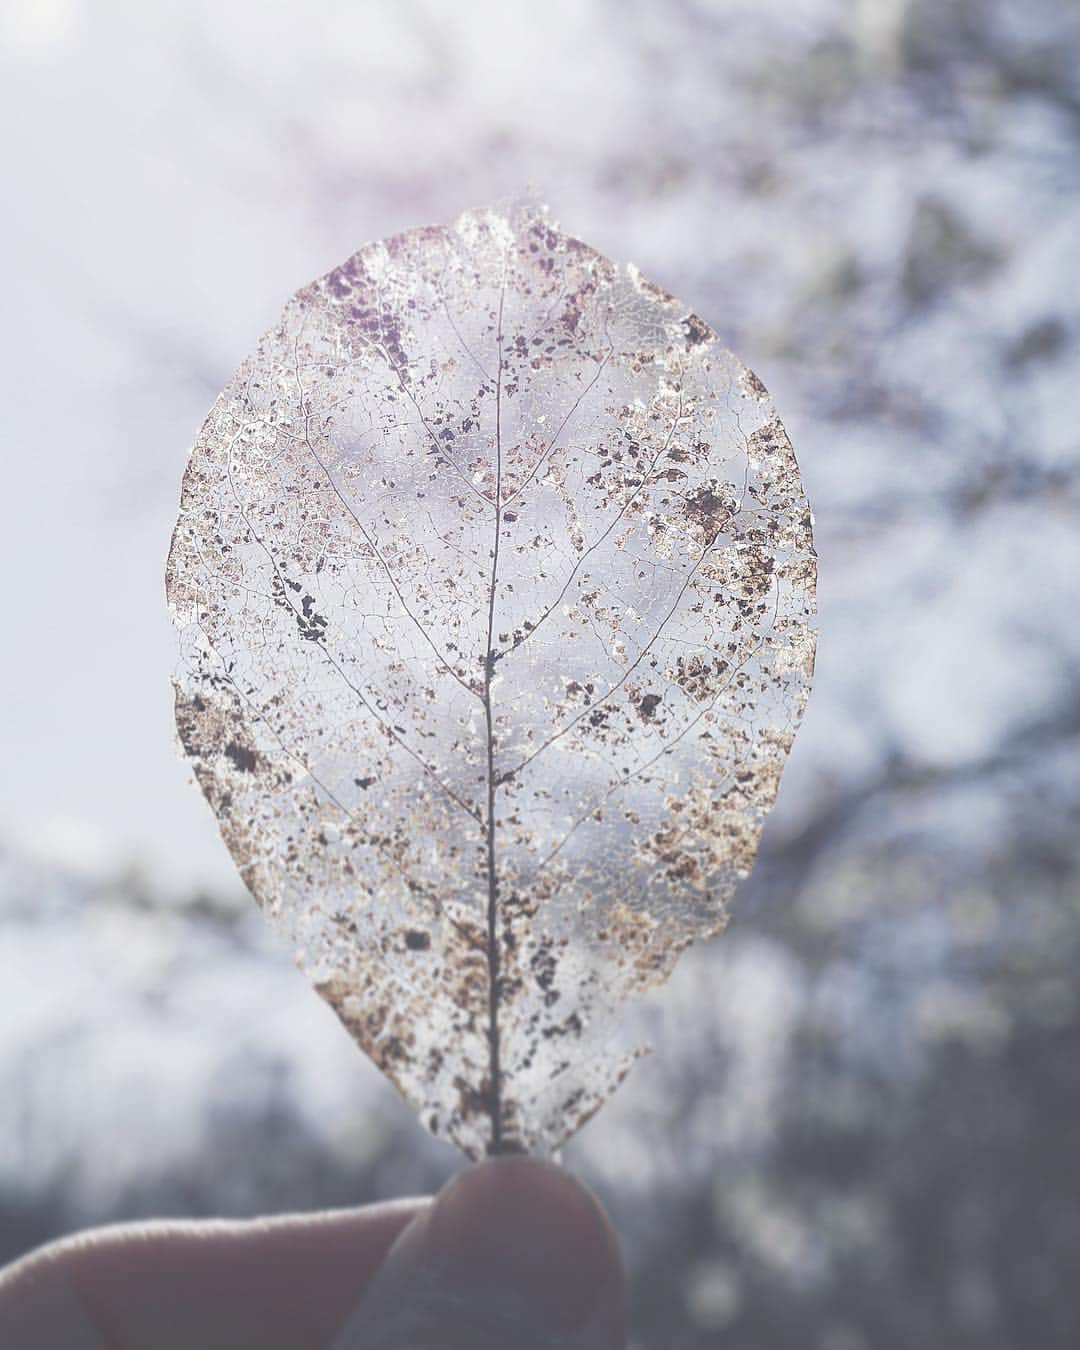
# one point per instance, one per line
(860, 1126)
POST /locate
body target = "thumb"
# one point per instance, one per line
(514, 1254)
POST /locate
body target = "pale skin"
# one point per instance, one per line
(514, 1252)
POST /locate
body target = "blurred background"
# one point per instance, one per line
(877, 204)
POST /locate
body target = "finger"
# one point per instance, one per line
(514, 1253)
(279, 1284)
(35, 1313)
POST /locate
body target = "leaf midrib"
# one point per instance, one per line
(494, 1058)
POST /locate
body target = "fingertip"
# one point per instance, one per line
(513, 1251)
(533, 1225)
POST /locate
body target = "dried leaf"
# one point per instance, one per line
(493, 575)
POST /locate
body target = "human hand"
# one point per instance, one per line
(514, 1254)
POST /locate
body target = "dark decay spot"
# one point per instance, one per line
(392, 1051)
(417, 941)
(244, 759)
(544, 968)
(338, 285)
(648, 706)
(574, 1100)
(473, 1101)
(697, 330)
(707, 508)
(311, 624)
(570, 1027)
(364, 783)
(356, 268)
(382, 327)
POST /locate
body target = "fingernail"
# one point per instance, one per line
(514, 1252)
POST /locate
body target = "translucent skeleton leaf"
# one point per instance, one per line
(494, 578)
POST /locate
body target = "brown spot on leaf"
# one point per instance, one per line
(247, 761)
(648, 705)
(697, 331)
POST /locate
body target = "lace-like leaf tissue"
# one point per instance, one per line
(494, 579)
